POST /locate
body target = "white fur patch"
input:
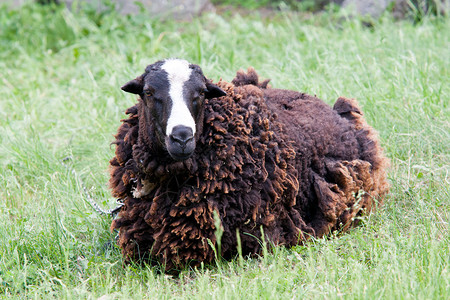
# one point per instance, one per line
(146, 188)
(178, 72)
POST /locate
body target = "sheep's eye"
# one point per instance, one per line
(147, 93)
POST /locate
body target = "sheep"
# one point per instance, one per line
(262, 161)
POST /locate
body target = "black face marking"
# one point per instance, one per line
(194, 91)
(156, 96)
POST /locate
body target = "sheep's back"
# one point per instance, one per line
(317, 130)
(339, 160)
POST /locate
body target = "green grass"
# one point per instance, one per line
(60, 96)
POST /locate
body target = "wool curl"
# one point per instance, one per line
(269, 161)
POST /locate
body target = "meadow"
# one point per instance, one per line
(60, 96)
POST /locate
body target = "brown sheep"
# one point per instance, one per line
(257, 157)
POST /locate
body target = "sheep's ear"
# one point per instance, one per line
(213, 91)
(135, 86)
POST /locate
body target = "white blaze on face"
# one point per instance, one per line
(178, 72)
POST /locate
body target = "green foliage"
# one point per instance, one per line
(300, 5)
(248, 4)
(60, 96)
(420, 9)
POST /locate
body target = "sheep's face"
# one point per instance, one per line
(174, 91)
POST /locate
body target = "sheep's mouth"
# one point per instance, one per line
(180, 152)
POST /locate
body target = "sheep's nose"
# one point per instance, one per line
(181, 135)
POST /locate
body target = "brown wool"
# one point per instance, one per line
(266, 158)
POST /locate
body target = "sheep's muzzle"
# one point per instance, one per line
(180, 143)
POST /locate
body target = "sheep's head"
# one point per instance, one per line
(174, 92)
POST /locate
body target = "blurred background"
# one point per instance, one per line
(185, 9)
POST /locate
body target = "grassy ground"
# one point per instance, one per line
(59, 96)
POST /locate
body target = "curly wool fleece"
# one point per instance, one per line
(266, 158)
